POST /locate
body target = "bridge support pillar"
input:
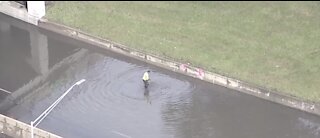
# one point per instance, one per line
(39, 52)
(4, 27)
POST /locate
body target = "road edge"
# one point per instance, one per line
(186, 69)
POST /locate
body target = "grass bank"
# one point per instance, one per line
(272, 44)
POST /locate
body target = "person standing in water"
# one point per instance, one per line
(146, 78)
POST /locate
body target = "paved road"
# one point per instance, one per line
(113, 103)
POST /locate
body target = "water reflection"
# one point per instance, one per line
(146, 95)
(25, 56)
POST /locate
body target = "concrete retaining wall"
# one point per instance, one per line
(17, 129)
(186, 69)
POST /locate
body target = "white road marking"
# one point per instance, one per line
(121, 134)
(4, 90)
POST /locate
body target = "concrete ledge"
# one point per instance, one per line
(186, 69)
(13, 9)
(17, 129)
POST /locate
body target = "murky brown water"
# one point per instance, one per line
(113, 103)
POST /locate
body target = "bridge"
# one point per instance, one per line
(31, 12)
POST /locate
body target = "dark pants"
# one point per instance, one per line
(146, 83)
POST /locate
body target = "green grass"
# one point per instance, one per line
(272, 44)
